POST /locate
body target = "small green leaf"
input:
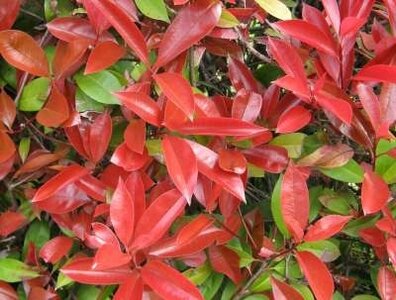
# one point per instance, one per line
(87, 292)
(62, 281)
(256, 297)
(262, 283)
(34, 94)
(365, 297)
(210, 287)
(154, 9)
(99, 86)
(275, 8)
(276, 208)
(304, 291)
(351, 172)
(38, 233)
(228, 291)
(227, 20)
(267, 73)
(384, 146)
(245, 255)
(292, 142)
(12, 270)
(386, 167)
(339, 202)
(198, 275)
(354, 226)
(254, 171)
(326, 250)
(85, 103)
(24, 147)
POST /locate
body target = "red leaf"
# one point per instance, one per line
(37, 292)
(375, 193)
(55, 249)
(135, 136)
(225, 261)
(142, 105)
(176, 153)
(317, 274)
(273, 159)
(386, 281)
(309, 34)
(339, 107)
(103, 56)
(96, 17)
(6, 166)
(70, 29)
(178, 90)
(56, 110)
(382, 73)
(122, 213)
(132, 288)
(135, 185)
(293, 119)
(99, 136)
(7, 109)
(328, 156)
(129, 160)
(169, 283)
(333, 12)
(200, 18)
(283, 291)
(391, 249)
(11, 221)
(208, 165)
(8, 13)
(7, 292)
(232, 161)
(220, 127)
(21, 51)
(326, 227)
(246, 106)
(295, 201)
(65, 177)
(193, 229)
(158, 218)
(101, 235)
(241, 76)
(68, 57)
(125, 25)
(7, 147)
(108, 257)
(80, 270)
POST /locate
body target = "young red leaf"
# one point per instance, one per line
(129, 160)
(225, 261)
(99, 136)
(246, 106)
(309, 34)
(326, 227)
(68, 175)
(135, 186)
(108, 257)
(339, 107)
(273, 159)
(220, 127)
(208, 165)
(56, 111)
(241, 76)
(375, 193)
(317, 274)
(386, 281)
(96, 17)
(232, 161)
(132, 288)
(158, 218)
(200, 18)
(7, 292)
(176, 153)
(178, 90)
(142, 105)
(21, 51)
(81, 270)
(37, 292)
(192, 229)
(7, 147)
(379, 73)
(283, 291)
(11, 221)
(391, 249)
(333, 12)
(122, 213)
(295, 201)
(55, 249)
(70, 29)
(68, 57)
(293, 119)
(101, 235)
(169, 283)
(135, 135)
(6, 166)
(125, 26)
(328, 156)
(7, 109)
(103, 56)
(8, 13)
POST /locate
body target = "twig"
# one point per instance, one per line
(29, 13)
(251, 49)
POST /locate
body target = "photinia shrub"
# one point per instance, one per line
(202, 149)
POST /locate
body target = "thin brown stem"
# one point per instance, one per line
(250, 47)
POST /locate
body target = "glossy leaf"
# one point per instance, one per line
(8, 13)
(386, 281)
(107, 257)
(135, 136)
(226, 261)
(12, 270)
(381, 73)
(11, 221)
(275, 8)
(21, 51)
(293, 120)
(176, 153)
(326, 227)
(271, 158)
(328, 157)
(7, 147)
(129, 160)
(283, 291)
(232, 161)
(103, 56)
(55, 249)
(375, 193)
(169, 283)
(155, 9)
(7, 291)
(7, 109)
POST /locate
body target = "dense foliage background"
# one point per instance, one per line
(202, 149)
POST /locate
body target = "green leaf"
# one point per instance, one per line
(338, 296)
(99, 86)
(212, 285)
(276, 208)
(384, 146)
(327, 251)
(245, 255)
(275, 8)
(198, 275)
(62, 281)
(262, 283)
(87, 292)
(24, 147)
(227, 20)
(351, 172)
(154, 9)
(228, 291)
(339, 202)
(354, 226)
(256, 297)
(292, 142)
(254, 171)
(85, 103)
(304, 291)
(267, 73)
(38, 233)
(315, 205)
(34, 94)
(12, 270)
(59, 8)
(365, 297)
(386, 167)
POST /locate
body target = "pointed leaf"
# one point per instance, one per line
(275, 8)
(386, 281)
(99, 136)
(103, 56)
(293, 120)
(7, 109)
(108, 258)
(379, 73)
(135, 135)
(328, 157)
(129, 160)
(232, 161)
(225, 261)
(375, 193)
(132, 288)
(8, 13)
(283, 291)
(55, 249)
(154, 9)
(7, 147)
(326, 227)
(273, 159)
(11, 221)
(12, 270)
